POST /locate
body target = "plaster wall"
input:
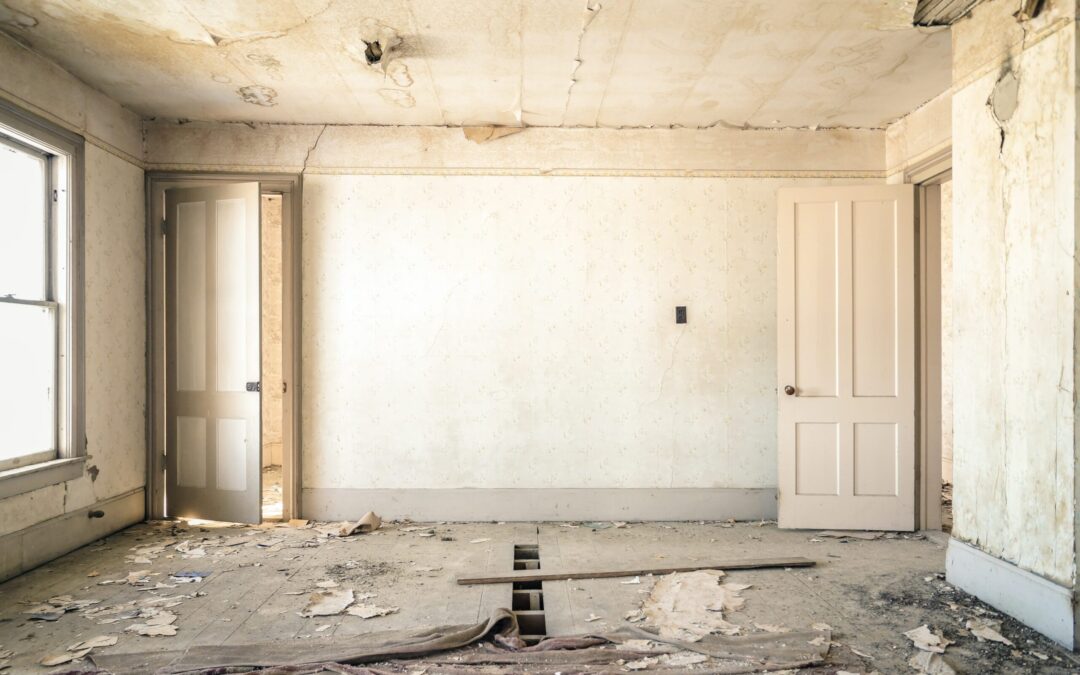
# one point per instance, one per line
(115, 320)
(921, 134)
(519, 332)
(271, 274)
(1014, 298)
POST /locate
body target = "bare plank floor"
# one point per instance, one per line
(260, 579)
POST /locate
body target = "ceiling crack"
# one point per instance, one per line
(592, 9)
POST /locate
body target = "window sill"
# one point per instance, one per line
(36, 476)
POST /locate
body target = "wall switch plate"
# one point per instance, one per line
(680, 314)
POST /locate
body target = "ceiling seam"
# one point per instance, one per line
(592, 10)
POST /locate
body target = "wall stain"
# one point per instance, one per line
(402, 99)
(257, 94)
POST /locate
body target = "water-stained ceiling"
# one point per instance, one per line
(609, 63)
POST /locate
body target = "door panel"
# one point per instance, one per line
(846, 340)
(212, 347)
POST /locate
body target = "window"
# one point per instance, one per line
(40, 257)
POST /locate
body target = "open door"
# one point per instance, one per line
(846, 362)
(212, 397)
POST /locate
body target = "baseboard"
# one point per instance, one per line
(36, 545)
(1043, 605)
(512, 504)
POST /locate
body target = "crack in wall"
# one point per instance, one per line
(592, 10)
(311, 150)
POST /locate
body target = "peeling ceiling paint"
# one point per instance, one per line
(575, 63)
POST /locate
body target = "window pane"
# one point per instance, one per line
(22, 224)
(27, 380)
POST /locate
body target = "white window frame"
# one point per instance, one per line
(64, 152)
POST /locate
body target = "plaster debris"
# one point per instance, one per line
(593, 617)
(489, 133)
(771, 627)
(58, 659)
(931, 664)
(480, 540)
(56, 607)
(366, 611)
(925, 639)
(986, 629)
(99, 641)
(369, 522)
(635, 580)
(188, 577)
(257, 94)
(642, 664)
(327, 602)
(689, 606)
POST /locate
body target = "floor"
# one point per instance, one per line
(259, 578)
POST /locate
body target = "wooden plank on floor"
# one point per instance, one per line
(592, 573)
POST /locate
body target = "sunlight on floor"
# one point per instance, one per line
(271, 493)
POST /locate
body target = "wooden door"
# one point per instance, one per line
(212, 353)
(846, 363)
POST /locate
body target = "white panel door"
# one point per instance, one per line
(846, 362)
(212, 353)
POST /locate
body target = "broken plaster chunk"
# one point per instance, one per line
(327, 602)
(99, 641)
(366, 611)
(67, 657)
(985, 629)
(689, 606)
(928, 641)
(148, 630)
(931, 664)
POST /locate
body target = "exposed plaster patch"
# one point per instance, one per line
(1004, 98)
(402, 99)
(257, 94)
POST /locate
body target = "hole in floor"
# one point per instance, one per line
(527, 597)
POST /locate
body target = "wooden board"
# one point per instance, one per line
(533, 575)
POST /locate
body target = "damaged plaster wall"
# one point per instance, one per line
(115, 321)
(1014, 322)
(519, 332)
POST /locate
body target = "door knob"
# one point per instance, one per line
(789, 390)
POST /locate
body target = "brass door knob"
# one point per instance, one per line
(789, 390)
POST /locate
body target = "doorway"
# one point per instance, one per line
(934, 192)
(271, 489)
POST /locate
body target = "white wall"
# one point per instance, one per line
(115, 323)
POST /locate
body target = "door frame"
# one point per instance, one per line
(931, 171)
(290, 187)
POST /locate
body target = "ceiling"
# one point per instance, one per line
(574, 63)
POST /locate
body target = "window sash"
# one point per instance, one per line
(51, 251)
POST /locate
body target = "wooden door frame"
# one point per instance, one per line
(932, 171)
(290, 186)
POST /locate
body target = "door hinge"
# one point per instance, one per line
(164, 227)
(254, 386)
(284, 387)
(55, 196)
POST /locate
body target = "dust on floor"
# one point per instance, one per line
(254, 583)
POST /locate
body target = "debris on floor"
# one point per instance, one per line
(852, 534)
(689, 606)
(328, 602)
(987, 629)
(927, 640)
(369, 522)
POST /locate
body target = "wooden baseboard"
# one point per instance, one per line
(36, 545)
